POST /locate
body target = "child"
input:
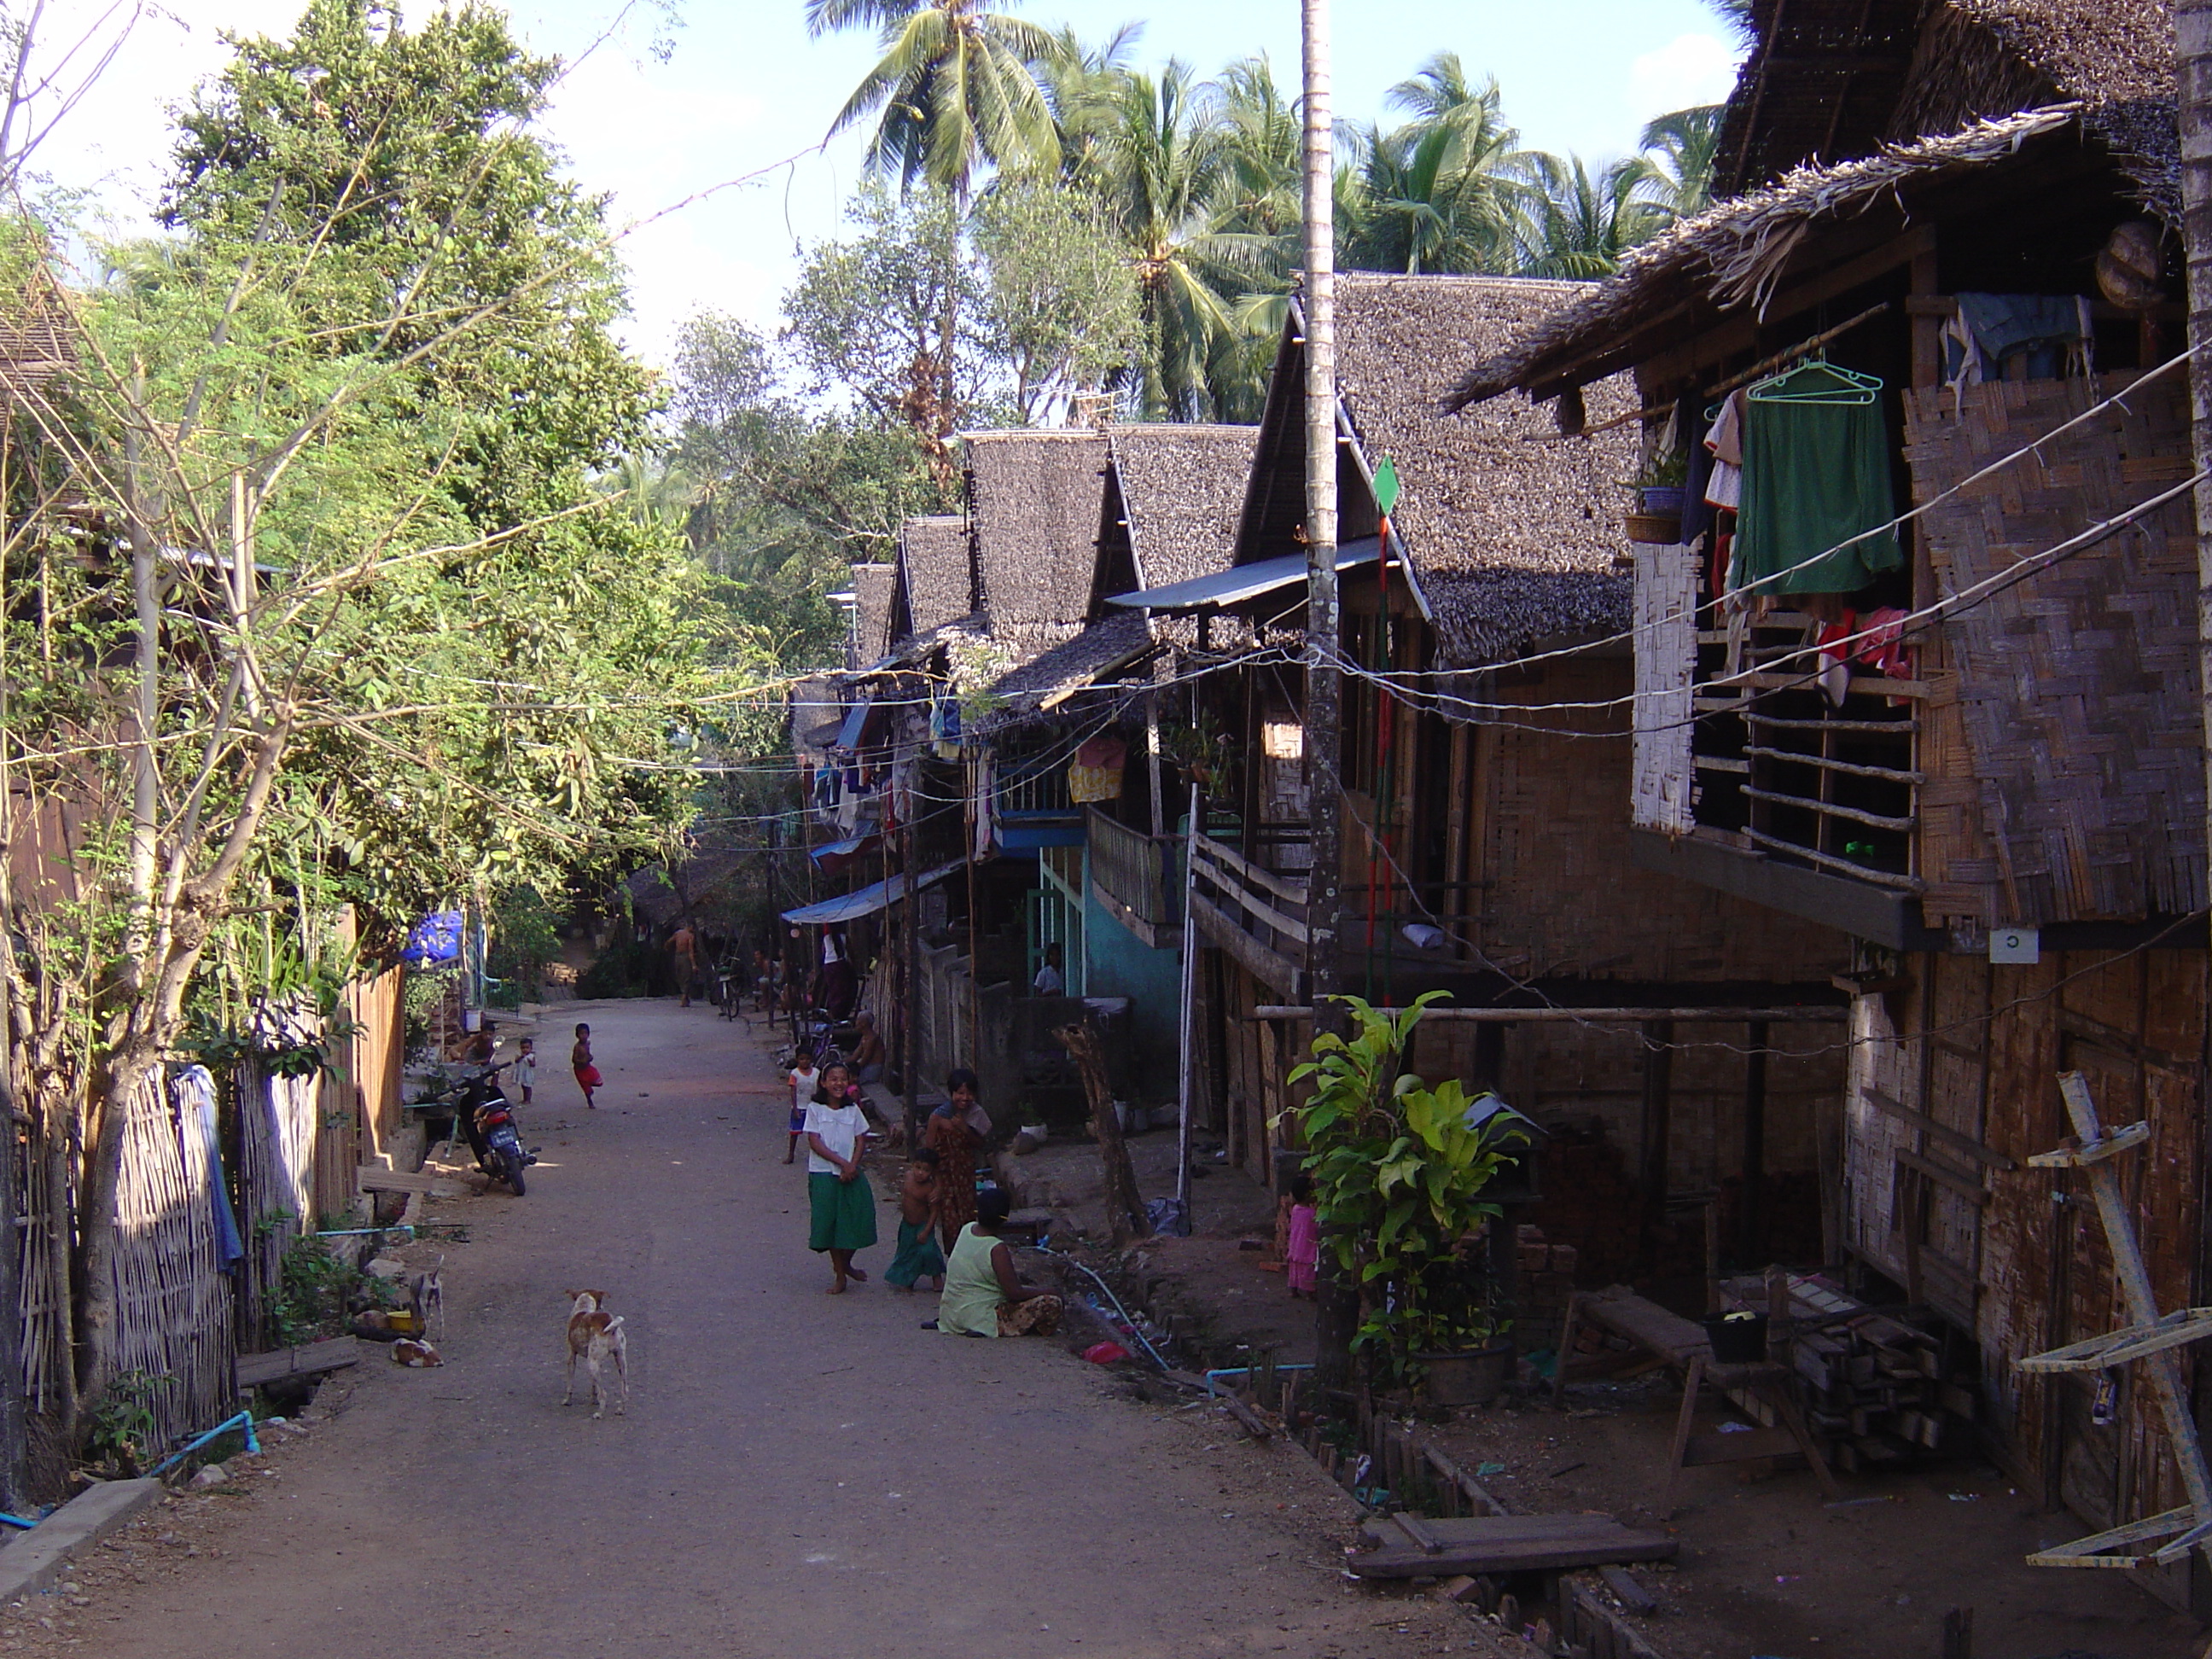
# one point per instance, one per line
(841, 1206)
(804, 1080)
(587, 1075)
(1303, 1250)
(918, 1254)
(526, 1066)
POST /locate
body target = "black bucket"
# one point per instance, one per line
(1737, 1338)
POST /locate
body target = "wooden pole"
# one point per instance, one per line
(1658, 1122)
(1751, 1219)
(1125, 1210)
(1336, 1312)
(1187, 1069)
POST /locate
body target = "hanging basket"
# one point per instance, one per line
(1662, 529)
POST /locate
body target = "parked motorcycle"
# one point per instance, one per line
(486, 1121)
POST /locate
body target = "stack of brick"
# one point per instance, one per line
(1546, 1276)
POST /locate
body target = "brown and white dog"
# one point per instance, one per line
(596, 1337)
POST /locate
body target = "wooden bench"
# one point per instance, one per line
(1682, 1345)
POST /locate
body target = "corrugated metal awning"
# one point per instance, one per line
(1242, 581)
(868, 900)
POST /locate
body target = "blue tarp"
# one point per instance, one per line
(434, 941)
(868, 900)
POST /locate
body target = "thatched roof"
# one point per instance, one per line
(1832, 80)
(1096, 652)
(1733, 254)
(1513, 532)
(1182, 488)
(871, 609)
(1033, 501)
(936, 574)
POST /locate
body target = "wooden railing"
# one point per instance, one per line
(1258, 916)
(1141, 873)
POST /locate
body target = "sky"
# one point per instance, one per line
(667, 103)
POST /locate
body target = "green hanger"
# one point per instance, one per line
(1818, 381)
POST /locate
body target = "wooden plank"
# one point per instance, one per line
(1272, 969)
(1939, 1132)
(1511, 1552)
(1288, 892)
(254, 1369)
(1424, 1541)
(1452, 1531)
(1702, 1450)
(1622, 1583)
(375, 1178)
(1246, 900)
(1965, 1186)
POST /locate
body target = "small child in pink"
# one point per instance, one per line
(1304, 1246)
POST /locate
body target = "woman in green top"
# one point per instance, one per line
(984, 1296)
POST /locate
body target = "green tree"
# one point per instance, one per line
(333, 611)
(956, 89)
(1438, 194)
(1684, 149)
(1573, 222)
(1062, 304)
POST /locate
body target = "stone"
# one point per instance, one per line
(209, 1474)
(1458, 1588)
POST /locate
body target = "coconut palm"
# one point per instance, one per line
(957, 87)
(1078, 82)
(1575, 224)
(1158, 165)
(1683, 148)
(1437, 194)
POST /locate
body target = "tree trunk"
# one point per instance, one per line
(1125, 1210)
(1336, 1313)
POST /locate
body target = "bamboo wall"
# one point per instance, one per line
(2017, 1256)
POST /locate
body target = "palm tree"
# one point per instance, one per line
(1576, 224)
(1438, 194)
(1078, 81)
(957, 86)
(1158, 165)
(1683, 148)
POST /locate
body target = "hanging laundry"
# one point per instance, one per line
(944, 726)
(1816, 476)
(197, 1117)
(1725, 443)
(1876, 640)
(1097, 772)
(2053, 331)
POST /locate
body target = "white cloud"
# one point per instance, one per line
(1688, 70)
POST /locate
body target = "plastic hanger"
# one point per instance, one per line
(1818, 381)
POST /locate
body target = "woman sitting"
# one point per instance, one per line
(984, 1295)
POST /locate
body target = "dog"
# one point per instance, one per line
(595, 1337)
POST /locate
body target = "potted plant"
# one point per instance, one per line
(1399, 1176)
(1201, 757)
(1659, 494)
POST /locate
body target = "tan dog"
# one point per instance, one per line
(595, 1337)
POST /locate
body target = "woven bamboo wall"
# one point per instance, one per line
(1666, 659)
(1566, 896)
(173, 1298)
(1979, 1049)
(2078, 685)
(278, 1120)
(377, 1054)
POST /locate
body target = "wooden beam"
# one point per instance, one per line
(1965, 1186)
(1276, 972)
(1809, 1013)
(1943, 1133)
(1658, 1123)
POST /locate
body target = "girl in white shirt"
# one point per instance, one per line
(804, 1080)
(840, 1205)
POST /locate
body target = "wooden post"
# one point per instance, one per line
(1658, 1110)
(1751, 1217)
(1959, 1633)
(1125, 1210)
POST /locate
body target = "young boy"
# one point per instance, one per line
(918, 1253)
(804, 1080)
(526, 1066)
(587, 1075)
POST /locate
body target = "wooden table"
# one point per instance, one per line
(1682, 1345)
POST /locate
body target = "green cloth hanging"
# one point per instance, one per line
(1815, 475)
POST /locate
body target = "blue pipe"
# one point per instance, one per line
(215, 1433)
(7, 1520)
(1243, 1370)
(1110, 1297)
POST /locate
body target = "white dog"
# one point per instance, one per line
(596, 1337)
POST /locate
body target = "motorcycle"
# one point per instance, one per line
(486, 1121)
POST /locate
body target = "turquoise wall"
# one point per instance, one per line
(1120, 965)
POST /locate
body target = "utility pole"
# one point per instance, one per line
(1336, 1312)
(2192, 34)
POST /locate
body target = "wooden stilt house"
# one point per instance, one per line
(1992, 776)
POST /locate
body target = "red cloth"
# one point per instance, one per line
(1304, 1249)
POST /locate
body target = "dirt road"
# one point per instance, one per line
(797, 1476)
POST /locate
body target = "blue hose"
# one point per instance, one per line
(1130, 1324)
(243, 1419)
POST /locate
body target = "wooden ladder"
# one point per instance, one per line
(2149, 1338)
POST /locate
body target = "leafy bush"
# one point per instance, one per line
(1399, 1178)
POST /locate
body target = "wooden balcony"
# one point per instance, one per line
(1137, 878)
(1255, 914)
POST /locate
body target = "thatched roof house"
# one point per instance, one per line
(936, 575)
(1033, 500)
(1829, 80)
(1172, 496)
(1502, 526)
(1740, 253)
(872, 611)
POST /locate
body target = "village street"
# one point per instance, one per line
(796, 1475)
